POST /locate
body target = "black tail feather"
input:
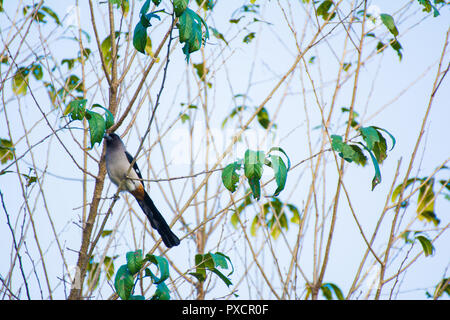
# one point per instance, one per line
(157, 221)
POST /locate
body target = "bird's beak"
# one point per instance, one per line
(107, 137)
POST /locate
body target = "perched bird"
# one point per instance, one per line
(118, 161)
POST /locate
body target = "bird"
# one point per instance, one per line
(118, 162)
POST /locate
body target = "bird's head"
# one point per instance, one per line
(112, 139)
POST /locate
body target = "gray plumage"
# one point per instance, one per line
(118, 161)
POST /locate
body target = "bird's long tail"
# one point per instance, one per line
(157, 221)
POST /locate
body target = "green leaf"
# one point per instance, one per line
(199, 276)
(207, 4)
(220, 260)
(222, 277)
(380, 46)
(295, 213)
(263, 118)
(162, 292)
(134, 261)
(425, 202)
(200, 269)
(30, 179)
(253, 169)
(336, 142)
(125, 7)
(233, 113)
(179, 6)
(255, 225)
(91, 269)
(37, 72)
(380, 148)
(149, 51)
(390, 135)
(190, 31)
(388, 21)
(445, 184)
(323, 8)
(52, 14)
(377, 177)
(428, 7)
(186, 25)
(358, 156)
(20, 79)
(97, 127)
(405, 236)
(70, 63)
(278, 219)
(145, 8)
(249, 37)
(108, 264)
(255, 186)
(106, 50)
(136, 297)
(6, 151)
(218, 35)
(76, 109)
(328, 288)
(346, 66)
(106, 233)
(345, 151)
(145, 19)
(376, 142)
(202, 71)
(116, 2)
(430, 216)
(397, 47)
(398, 189)
(211, 261)
(280, 172)
(74, 83)
(370, 135)
(140, 37)
(427, 246)
(184, 117)
(235, 21)
(109, 118)
(123, 282)
(234, 219)
(163, 267)
(283, 152)
(38, 16)
(230, 177)
(253, 164)
(355, 114)
(156, 2)
(442, 287)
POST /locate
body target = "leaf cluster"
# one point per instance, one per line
(211, 261)
(190, 27)
(253, 164)
(140, 37)
(124, 280)
(375, 146)
(98, 124)
(274, 217)
(426, 197)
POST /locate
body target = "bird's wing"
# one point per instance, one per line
(135, 166)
